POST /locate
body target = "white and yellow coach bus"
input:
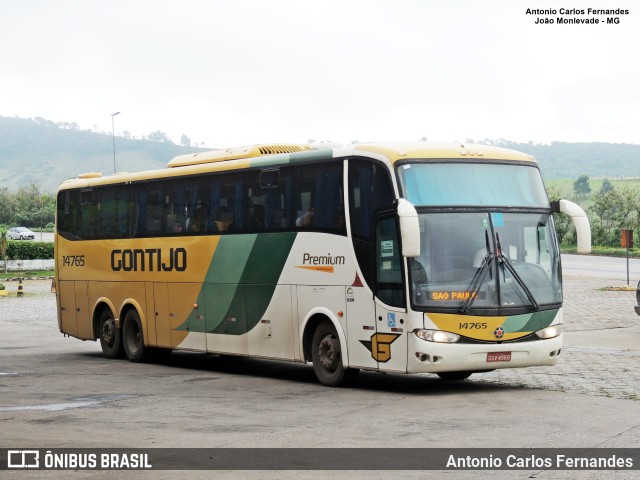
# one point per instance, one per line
(408, 258)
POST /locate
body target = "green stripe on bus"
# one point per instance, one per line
(529, 322)
(240, 283)
(270, 160)
(323, 154)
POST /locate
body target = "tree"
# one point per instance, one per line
(606, 186)
(34, 209)
(611, 212)
(185, 141)
(3, 248)
(581, 186)
(158, 136)
(565, 229)
(7, 206)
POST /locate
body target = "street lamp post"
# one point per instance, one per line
(113, 137)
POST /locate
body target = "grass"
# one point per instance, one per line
(603, 251)
(565, 185)
(27, 273)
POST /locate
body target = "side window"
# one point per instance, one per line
(147, 209)
(87, 215)
(370, 189)
(388, 262)
(113, 207)
(269, 198)
(67, 213)
(224, 200)
(319, 202)
(184, 211)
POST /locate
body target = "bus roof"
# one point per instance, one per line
(235, 153)
(281, 154)
(398, 151)
(394, 151)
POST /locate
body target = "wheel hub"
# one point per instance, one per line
(108, 331)
(327, 352)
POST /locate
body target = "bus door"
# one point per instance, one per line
(361, 325)
(186, 317)
(177, 318)
(389, 345)
(74, 309)
(160, 334)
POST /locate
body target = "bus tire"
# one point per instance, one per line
(454, 376)
(110, 336)
(326, 356)
(132, 337)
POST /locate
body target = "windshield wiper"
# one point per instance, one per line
(478, 278)
(502, 260)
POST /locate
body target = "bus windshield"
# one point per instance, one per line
(455, 184)
(488, 242)
(478, 261)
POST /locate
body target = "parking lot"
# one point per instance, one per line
(60, 392)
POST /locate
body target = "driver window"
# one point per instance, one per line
(389, 287)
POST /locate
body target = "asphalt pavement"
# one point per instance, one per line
(59, 392)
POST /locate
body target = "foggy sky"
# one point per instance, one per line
(238, 72)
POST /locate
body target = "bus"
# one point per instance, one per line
(392, 257)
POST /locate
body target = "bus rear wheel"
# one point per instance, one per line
(132, 337)
(326, 356)
(110, 336)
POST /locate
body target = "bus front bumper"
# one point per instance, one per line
(432, 357)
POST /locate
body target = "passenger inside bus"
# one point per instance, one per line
(257, 221)
(306, 219)
(223, 220)
(195, 225)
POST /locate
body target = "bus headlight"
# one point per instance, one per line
(549, 332)
(437, 336)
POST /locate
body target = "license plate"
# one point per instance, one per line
(499, 357)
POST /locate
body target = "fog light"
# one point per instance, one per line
(437, 336)
(549, 332)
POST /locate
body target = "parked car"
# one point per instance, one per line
(637, 307)
(20, 233)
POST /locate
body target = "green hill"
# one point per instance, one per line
(570, 160)
(45, 153)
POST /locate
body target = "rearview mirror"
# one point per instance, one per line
(409, 228)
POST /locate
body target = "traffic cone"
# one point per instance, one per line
(20, 291)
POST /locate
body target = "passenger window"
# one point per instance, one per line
(113, 208)
(147, 214)
(88, 215)
(224, 197)
(269, 198)
(183, 210)
(67, 213)
(370, 190)
(319, 201)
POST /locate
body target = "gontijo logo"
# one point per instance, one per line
(149, 259)
(321, 263)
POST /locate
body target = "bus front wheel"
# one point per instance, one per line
(326, 356)
(132, 337)
(110, 335)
